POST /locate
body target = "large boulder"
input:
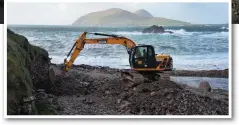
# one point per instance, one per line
(155, 29)
(205, 86)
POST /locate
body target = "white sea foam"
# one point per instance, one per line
(224, 28)
(216, 35)
(180, 32)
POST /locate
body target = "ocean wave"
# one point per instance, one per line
(175, 32)
(128, 33)
(201, 62)
(200, 28)
(216, 35)
(168, 47)
(186, 40)
(196, 62)
(120, 62)
(179, 32)
(224, 28)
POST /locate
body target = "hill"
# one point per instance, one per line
(143, 13)
(120, 17)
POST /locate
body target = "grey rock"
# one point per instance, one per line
(107, 92)
(153, 93)
(124, 105)
(118, 101)
(155, 29)
(205, 86)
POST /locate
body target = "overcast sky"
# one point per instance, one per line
(67, 13)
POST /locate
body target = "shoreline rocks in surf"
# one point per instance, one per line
(155, 29)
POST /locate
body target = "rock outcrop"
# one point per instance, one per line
(155, 29)
(27, 71)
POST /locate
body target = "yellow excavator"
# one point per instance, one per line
(142, 58)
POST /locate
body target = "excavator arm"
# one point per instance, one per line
(82, 40)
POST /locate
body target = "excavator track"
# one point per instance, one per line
(132, 77)
(135, 77)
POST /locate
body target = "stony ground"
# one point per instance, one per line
(87, 90)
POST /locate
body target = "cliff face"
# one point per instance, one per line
(27, 68)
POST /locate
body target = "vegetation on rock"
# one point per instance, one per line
(21, 57)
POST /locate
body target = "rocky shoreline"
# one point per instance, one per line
(90, 90)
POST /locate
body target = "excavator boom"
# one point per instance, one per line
(82, 40)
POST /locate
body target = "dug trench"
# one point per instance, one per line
(90, 90)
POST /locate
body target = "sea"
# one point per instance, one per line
(196, 47)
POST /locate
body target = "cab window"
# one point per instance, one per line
(141, 52)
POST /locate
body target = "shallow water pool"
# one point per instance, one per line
(216, 83)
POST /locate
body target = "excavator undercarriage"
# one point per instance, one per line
(135, 77)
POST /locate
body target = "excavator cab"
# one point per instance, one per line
(142, 56)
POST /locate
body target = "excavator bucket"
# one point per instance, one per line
(54, 72)
(132, 77)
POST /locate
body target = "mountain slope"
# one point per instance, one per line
(143, 13)
(120, 17)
